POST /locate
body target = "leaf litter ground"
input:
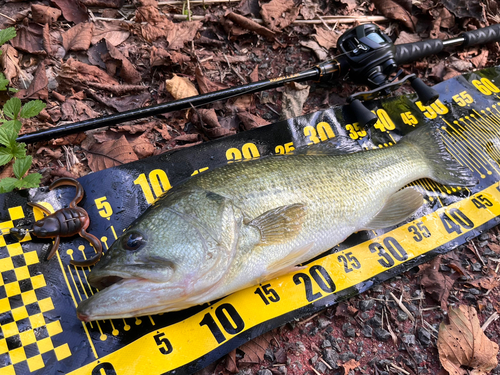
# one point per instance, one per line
(88, 58)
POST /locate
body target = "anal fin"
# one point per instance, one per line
(399, 207)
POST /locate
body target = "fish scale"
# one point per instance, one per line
(247, 222)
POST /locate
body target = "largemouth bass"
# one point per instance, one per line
(244, 223)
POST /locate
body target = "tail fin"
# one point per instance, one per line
(444, 168)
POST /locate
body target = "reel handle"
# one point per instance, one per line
(414, 51)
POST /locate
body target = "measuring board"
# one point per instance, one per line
(39, 331)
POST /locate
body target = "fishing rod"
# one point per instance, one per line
(368, 57)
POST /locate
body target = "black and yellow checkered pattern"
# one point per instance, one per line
(25, 336)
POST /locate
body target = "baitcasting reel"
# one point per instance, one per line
(369, 55)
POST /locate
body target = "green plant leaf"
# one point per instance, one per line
(7, 34)
(4, 82)
(8, 136)
(18, 150)
(32, 108)
(5, 155)
(15, 125)
(12, 107)
(30, 181)
(7, 184)
(21, 166)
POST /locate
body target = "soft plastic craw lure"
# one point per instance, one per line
(65, 222)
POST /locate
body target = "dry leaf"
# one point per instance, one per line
(254, 350)
(29, 39)
(435, 283)
(181, 33)
(114, 32)
(117, 63)
(351, 364)
(9, 60)
(466, 8)
(77, 110)
(180, 87)
(159, 57)
(391, 9)
(309, 9)
(123, 103)
(294, 97)
(462, 344)
(405, 37)
(44, 14)
(231, 362)
(251, 121)
(326, 38)
(110, 154)
(38, 87)
(72, 10)
(480, 60)
(76, 74)
(320, 52)
(78, 37)
(278, 14)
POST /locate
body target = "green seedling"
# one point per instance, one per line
(10, 125)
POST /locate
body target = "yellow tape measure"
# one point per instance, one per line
(39, 329)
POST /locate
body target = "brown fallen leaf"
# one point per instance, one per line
(463, 347)
(109, 154)
(75, 74)
(480, 60)
(309, 9)
(351, 364)
(180, 87)
(122, 103)
(9, 61)
(230, 362)
(115, 32)
(29, 39)
(78, 37)
(317, 49)
(160, 57)
(44, 14)
(405, 37)
(293, 99)
(117, 63)
(251, 121)
(72, 10)
(38, 87)
(255, 349)
(391, 9)
(326, 38)
(435, 283)
(466, 8)
(278, 14)
(77, 110)
(205, 84)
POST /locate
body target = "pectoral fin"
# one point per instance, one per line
(280, 224)
(398, 208)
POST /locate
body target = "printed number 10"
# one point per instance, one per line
(223, 313)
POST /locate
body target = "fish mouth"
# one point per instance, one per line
(104, 282)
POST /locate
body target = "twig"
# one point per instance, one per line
(400, 369)
(403, 307)
(432, 328)
(326, 364)
(315, 371)
(490, 320)
(3, 15)
(477, 253)
(308, 319)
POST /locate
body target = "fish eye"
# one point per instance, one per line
(133, 241)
